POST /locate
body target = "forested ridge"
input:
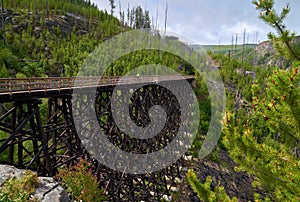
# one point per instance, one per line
(52, 38)
(258, 154)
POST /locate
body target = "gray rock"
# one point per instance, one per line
(47, 190)
(8, 172)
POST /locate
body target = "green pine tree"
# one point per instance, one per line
(203, 190)
(265, 142)
(284, 42)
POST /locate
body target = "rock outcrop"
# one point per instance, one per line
(47, 189)
(265, 55)
(66, 23)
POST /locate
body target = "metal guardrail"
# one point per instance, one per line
(11, 85)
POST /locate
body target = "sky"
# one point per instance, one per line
(208, 22)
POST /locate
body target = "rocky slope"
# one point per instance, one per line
(20, 21)
(265, 55)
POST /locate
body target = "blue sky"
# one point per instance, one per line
(211, 21)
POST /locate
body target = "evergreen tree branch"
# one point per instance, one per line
(269, 16)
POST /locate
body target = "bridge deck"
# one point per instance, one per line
(12, 89)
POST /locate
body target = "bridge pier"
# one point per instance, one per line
(22, 125)
(38, 132)
(64, 144)
(123, 186)
(29, 142)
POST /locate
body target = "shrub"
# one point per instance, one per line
(79, 181)
(203, 190)
(19, 190)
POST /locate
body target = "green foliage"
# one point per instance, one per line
(264, 139)
(3, 72)
(265, 143)
(204, 103)
(8, 62)
(224, 49)
(81, 183)
(204, 191)
(141, 18)
(45, 45)
(19, 190)
(20, 76)
(38, 45)
(262, 127)
(283, 43)
(235, 81)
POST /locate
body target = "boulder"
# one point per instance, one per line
(47, 189)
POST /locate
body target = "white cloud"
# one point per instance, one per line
(211, 21)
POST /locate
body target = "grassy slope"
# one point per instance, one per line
(223, 48)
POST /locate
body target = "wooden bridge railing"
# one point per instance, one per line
(10, 85)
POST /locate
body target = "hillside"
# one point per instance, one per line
(51, 38)
(263, 54)
(224, 49)
(257, 157)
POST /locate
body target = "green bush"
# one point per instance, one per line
(9, 61)
(79, 181)
(19, 190)
(204, 191)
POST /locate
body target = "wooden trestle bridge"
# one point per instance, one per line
(37, 129)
